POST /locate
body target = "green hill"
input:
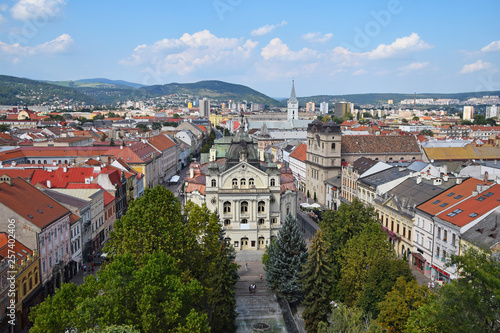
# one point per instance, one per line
(211, 89)
(14, 91)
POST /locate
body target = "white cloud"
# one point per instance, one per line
(266, 29)
(2, 19)
(359, 72)
(477, 66)
(492, 47)
(199, 51)
(40, 10)
(399, 48)
(276, 49)
(3, 7)
(414, 66)
(59, 45)
(316, 37)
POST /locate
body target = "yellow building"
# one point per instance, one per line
(190, 105)
(215, 119)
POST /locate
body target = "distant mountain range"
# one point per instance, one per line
(382, 98)
(98, 91)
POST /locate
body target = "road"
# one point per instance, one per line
(176, 187)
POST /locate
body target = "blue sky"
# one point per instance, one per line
(328, 47)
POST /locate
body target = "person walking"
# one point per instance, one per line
(246, 266)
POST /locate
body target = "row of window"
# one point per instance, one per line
(274, 220)
(45, 161)
(261, 207)
(53, 233)
(445, 236)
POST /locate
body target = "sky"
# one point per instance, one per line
(327, 47)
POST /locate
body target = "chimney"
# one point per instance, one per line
(459, 181)
(486, 176)
(445, 177)
(13, 164)
(191, 172)
(419, 180)
(49, 184)
(121, 147)
(437, 181)
(65, 169)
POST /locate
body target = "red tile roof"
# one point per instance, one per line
(136, 153)
(473, 208)
(300, 152)
(14, 173)
(196, 187)
(371, 144)
(17, 248)
(203, 128)
(108, 199)
(42, 210)
(450, 197)
(60, 179)
(161, 142)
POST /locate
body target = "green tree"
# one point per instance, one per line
(480, 119)
(406, 296)
(415, 118)
(4, 127)
(362, 253)
(380, 280)
(286, 256)
(404, 120)
(491, 121)
(316, 281)
(315, 197)
(114, 329)
(156, 126)
(176, 116)
(349, 320)
(427, 132)
(469, 304)
(222, 302)
(338, 228)
(157, 217)
(142, 127)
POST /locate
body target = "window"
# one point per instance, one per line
(243, 182)
(437, 251)
(251, 182)
(227, 207)
(429, 244)
(43, 267)
(444, 255)
(274, 220)
(404, 231)
(455, 212)
(453, 239)
(261, 221)
(397, 228)
(489, 194)
(439, 233)
(436, 202)
(227, 222)
(214, 183)
(261, 207)
(444, 204)
(392, 225)
(473, 215)
(244, 221)
(481, 198)
(273, 182)
(445, 235)
(244, 207)
(451, 194)
(459, 196)
(333, 146)
(235, 182)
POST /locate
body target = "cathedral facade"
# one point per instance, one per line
(249, 192)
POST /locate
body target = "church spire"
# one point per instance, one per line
(293, 98)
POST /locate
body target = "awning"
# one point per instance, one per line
(315, 205)
(305, 205)
(419, 256)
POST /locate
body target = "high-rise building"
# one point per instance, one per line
(205, 107)
(468, 113)
(323, 108)
(310, 107)
(492, 111)
(293, 105)
(342, 108)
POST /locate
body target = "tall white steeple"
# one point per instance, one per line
(293, 105)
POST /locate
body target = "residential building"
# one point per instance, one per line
(343, 108)
(168, 149)
(492, 111)
(310, 107)
(297, 163)
(323, 108)
(204, 107)
(468, 113)
(45, 225)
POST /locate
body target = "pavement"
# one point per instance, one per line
(260, 306)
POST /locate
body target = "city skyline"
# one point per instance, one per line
(399, 46)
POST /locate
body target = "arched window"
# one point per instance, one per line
(227, 222)
(273, 182)
(244, 207)
(39, 162)
(44, 161)
(287, 209)
(261, 221)
(227, 207)
(333, 145)
(243, 182)
(261, 207)
(251, 182)
(59, 162)
(244, 221)
(214, 182)
(402, 158)
(390, 159)
(235, 182)
(274, 220)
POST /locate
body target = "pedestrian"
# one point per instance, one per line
(261, 277)
(432, 284)
(429, 284)
(250, 289)
(246, 266)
